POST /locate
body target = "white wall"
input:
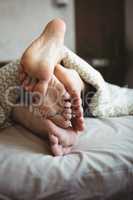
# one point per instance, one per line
(22, 20)
(129, 40)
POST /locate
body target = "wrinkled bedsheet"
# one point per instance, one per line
(99, 167)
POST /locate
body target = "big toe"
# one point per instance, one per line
(78, 123)
(77, 109)
(67, 113)
(55, 27)
(53, 139)
(57, 149)
(75, 99)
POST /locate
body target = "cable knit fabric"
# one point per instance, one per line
(109, 100)
(9, 85)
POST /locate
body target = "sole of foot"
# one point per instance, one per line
(40, 58)
(61, 140)
(55, 105)
(74, 85)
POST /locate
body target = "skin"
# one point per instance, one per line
(61, 136)
(56, 104)
(61, 140)
(40, 72)
(39, 59)
(39, 62)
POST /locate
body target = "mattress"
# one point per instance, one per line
(100, 165)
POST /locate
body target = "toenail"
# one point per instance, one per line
(73, 115)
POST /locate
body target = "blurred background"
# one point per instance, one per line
(100, 31)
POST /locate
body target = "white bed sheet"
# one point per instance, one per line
(99, 167)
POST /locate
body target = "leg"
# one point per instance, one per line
(26, 118)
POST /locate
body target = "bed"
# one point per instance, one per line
(100, 165)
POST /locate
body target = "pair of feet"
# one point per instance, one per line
(40, 72)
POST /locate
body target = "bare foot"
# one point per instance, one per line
(61, 140)
(55, 105)
(74, 85)
(43, 54)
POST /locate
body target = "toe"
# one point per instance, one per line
(76, 101)
(67, 104)
(22, 77)
(77, 112)
(77, 109)
(68, 110)
(78, 123)
(81, 124)
(57, 150)
(31, 85)
(67, 116)
(76, 105)
(26, 81)
(67, 113)
(66, 96)
(53, 139)
(61, 121)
